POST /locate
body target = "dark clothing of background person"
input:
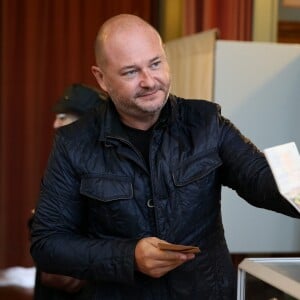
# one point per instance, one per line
(96, 169)
(42, 291)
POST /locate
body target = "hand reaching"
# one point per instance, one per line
(154, 262)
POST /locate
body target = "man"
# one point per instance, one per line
(76, 101)
(147, 168)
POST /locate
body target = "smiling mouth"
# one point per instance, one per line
(148, 94)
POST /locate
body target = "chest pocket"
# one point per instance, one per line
(106, 187)
(197, 168)
(110, 204)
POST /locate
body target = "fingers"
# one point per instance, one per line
(62, 282)
(154, 262)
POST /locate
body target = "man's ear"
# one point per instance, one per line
(99, 77)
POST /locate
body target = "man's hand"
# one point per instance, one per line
(154, 262)
(62, 282)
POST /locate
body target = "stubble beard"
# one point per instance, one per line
(138, 107)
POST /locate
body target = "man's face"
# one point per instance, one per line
(64, 119)
(136, 74)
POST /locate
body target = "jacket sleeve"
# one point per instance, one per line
(60, 244)
(245, 169)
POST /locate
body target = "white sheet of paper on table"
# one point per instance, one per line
(284, 161)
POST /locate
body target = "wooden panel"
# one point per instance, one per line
(291, 3)
(288, 32)
(15, 293)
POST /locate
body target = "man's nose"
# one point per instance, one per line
(147, 79)
(57, 123)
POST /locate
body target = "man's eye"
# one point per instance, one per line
(156, 65)
(129, 73)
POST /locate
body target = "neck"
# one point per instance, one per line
(142, 124)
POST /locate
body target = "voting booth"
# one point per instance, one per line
(258, 86)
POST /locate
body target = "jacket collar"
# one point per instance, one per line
(110, 124)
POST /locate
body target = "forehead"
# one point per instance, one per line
(61, 116)
(65, 115)
(133, 46)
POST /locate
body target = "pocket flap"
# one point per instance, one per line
(196, 168)
(106, 187)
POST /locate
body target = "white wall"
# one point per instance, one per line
(258, 87)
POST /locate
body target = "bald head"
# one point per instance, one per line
(132, 69)
(117, 32)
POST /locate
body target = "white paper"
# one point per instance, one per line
(284, 161)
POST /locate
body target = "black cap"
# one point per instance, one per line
(77, 98)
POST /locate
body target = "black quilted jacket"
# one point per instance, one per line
(95, 195)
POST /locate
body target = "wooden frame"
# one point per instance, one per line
(288, 32)
(291, 3)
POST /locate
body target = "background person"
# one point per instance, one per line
(77, 100)
(146, 168)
